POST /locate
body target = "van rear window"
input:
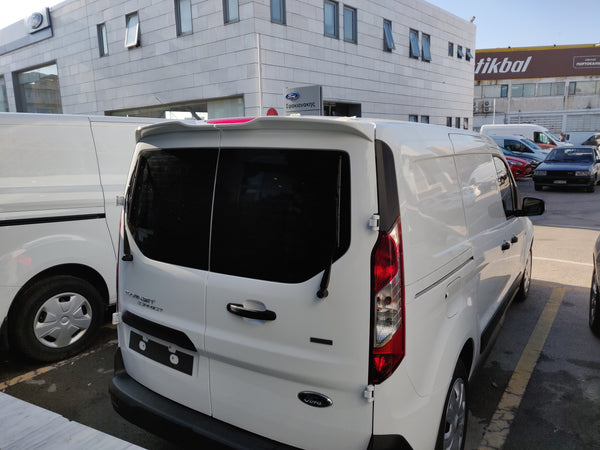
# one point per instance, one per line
(277, 215)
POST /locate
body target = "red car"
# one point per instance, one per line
(519, 167)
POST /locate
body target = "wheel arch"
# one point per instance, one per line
(76, 270)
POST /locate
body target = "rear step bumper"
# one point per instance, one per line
(179, 424)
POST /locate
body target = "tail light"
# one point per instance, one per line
(388, 305)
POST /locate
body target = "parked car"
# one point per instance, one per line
(593, 140)
(314, 282)
(519, 167)
(59, 177)
(535, 133)
(569, 167)
(594, 316)
(534, 159)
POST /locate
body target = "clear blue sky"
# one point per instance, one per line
(529, 23)
(500, 23)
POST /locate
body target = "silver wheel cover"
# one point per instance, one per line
(62, 320)
(456, 414)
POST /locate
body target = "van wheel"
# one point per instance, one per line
(595, 306)
(453, 427)
(55, 318)
(526, 280)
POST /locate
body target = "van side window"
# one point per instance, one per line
(506, 187)
(277, 215)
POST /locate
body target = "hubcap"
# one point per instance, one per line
(62, 320)
(593, 300)
(456, 413)
(527, 276)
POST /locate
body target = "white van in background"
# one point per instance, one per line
(319, 283)
(536, 133)
(59, 177)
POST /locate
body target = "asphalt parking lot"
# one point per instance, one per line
(538, 389)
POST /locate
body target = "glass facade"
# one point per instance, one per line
(38, 90)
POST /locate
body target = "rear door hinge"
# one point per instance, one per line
(369, 393)
(374, 222)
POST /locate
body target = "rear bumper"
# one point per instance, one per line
(184, 426)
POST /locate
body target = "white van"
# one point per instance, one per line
(321, 283)
(536, 133)
(58, 227)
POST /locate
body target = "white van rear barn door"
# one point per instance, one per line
(288, 228)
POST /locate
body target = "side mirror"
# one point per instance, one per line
(532, 207)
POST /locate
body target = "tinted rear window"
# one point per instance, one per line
(279, 215)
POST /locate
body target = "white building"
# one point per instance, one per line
(396, 59)
(557, 87)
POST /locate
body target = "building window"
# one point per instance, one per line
(231, 11)
(349, 24)
(132, 30)
(449, 121)
(459, 52)
(278, 11)
(3, 98)
(450, 49)
(102, 40)
(38, 91)
(457, 122)
(466, 123)
(415, 52)
(550, 89)
(413, 118)
(523, 90)
(426, 47)
(469, 55)
(504, 91)
(330, 13)
(424, 119)
(583, 88)
(388, 39)
(183, 17)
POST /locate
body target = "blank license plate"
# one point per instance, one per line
(160, 353)
(560, 182)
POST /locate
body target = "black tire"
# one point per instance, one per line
(594, 306)
(591, 188)
(523, 291)
(537, 187)
(453, 426)
(55, 318)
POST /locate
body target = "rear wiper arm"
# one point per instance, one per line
(322, 292)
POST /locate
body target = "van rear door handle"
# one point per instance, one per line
(505, 245)
(240, 310)
(514, 239)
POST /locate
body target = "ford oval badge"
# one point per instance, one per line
(315, 399)
(292, 96)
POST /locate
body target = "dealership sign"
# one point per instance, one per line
(307, 100)
(540, 62)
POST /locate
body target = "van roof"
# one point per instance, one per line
(364, 127)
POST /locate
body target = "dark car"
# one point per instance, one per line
(594, 292)
(534, 159)
(569, 167)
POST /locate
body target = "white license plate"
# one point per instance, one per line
(560, 182)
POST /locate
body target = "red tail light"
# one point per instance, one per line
(388, 303)
(230, 120)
